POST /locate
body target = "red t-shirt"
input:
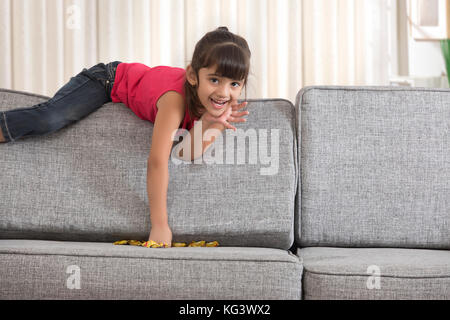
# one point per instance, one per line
(139, 87)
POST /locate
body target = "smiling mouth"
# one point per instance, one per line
(217, 104)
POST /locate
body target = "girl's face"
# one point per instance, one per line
(215, 92)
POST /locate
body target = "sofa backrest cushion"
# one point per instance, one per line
(374, 166)
(87, 182)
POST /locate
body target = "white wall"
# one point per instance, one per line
(425, 58)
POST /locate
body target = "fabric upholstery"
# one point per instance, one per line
(47, 270)
(87, 182)
(375, 273)
(374, 167)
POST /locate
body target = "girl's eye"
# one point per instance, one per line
(234, 84)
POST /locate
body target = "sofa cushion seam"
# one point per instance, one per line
(381, 89)
(371, 275)
(125, 257)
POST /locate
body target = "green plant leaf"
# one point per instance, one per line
(445, 45)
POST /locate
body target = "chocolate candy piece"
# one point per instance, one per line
(121, 242)
(212, 244)
(135, 242)
(178, 244)
(197, 244)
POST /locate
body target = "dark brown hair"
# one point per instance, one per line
(221, 48)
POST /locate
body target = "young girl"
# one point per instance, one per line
(172, 98)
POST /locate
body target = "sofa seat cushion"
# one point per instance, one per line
(375, 273)
(39, 269)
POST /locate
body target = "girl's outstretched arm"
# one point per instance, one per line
(169, 116)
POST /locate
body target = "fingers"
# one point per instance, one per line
(234, 113)
(239, 114)
(236, 116)
(232, 127)
(229, 126)
(237, 119)
(240, 106)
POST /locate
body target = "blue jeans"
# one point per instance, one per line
(82, 95)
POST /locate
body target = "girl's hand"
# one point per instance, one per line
(230, 114)
(161, 234)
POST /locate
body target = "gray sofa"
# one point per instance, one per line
(343, 196)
